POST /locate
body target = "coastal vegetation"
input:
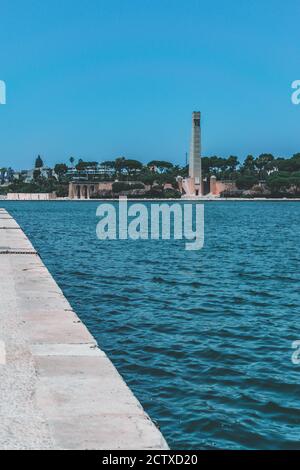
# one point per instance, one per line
(265, 175)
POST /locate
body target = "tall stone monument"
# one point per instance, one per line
(193, 184)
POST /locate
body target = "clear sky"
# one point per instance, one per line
(104, 78)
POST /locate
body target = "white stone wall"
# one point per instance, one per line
(30, 196)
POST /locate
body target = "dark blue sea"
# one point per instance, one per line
(203, 338)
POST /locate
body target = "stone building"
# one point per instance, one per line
(85, 189)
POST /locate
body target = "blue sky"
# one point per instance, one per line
(105, 78)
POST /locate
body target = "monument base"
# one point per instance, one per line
(192, 188)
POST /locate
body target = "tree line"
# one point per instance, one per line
(279, 175)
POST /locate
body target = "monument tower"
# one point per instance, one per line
(195, 154)
(192, 185)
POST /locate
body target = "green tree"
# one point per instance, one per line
(232, 163)
(205, 164)
(39, 162)
(278, 183)
(148, 179)
(246, 181)
(214, 164)
(132, 166)
(262, 163)
(295, 183)
(36, 174)
(119, 165)
(60, 169)
(289, 164)
(249, 164)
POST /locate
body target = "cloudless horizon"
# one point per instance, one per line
(101, 79)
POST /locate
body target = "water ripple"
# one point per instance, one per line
(203, 338)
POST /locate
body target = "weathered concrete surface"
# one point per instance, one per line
(58, 390)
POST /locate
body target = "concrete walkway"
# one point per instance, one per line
(58, 390)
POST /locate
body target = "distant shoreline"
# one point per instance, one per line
(219, 199)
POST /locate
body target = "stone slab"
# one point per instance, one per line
(58, 389)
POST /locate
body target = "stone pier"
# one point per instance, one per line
(58, 389)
